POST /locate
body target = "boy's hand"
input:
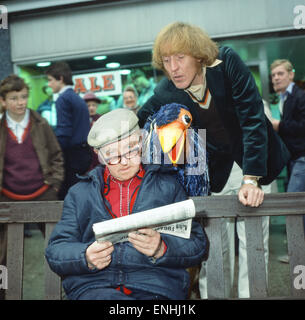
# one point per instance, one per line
(148, 242)
(98, 254)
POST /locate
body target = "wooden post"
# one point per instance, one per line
(15, 244)
(52, 280)
(215, 265)
(256, 257)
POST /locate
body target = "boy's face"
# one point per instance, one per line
(15, 102)
(55, 85)
(128, 165)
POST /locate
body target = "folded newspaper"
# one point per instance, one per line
(174, 219)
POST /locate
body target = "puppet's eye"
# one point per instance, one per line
(186, 119)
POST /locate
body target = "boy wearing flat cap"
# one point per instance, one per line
(149, 265)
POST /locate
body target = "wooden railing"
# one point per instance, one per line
(15, 214)
(211, 209)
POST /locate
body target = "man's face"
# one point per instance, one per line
(130, 99)
(55, 85)
(183, 70)
(92, 106)
(15, 103)
(126, 168)
(281, 78)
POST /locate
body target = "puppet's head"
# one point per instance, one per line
(170, 129)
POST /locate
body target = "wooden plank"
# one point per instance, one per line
(15, 244)
(52, 280)
(275, 204)
(210, 207)
(296, 253)
(256, 257)
(289, 204)
(215, 262)
(30, 212)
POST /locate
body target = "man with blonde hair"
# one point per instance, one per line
(222, 97)
(282, 62)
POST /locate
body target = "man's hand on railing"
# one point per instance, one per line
(250, 195)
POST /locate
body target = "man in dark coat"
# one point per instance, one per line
(291, 126)
(222, 96)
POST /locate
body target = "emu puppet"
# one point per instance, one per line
(171, 140)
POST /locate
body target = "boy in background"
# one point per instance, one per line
(31, 161)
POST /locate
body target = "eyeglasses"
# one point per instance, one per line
(117, 159)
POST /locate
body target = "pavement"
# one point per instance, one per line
(278, 282)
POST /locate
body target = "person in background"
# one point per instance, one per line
(73, 125)
(92, 102)
(291, 126)
(149, 266)
(47, 109)
(31, 161)
(143, 86)
(130, 98)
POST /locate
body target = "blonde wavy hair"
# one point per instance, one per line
(286, 64)
(180, 37)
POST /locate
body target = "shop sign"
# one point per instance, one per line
(101, 83)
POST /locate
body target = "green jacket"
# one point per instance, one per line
(46, 146)
(255, 146)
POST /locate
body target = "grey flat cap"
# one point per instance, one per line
(112, 126)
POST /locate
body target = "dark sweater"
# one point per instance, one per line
(22, 172)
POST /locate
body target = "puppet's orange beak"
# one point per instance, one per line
(172, 136)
